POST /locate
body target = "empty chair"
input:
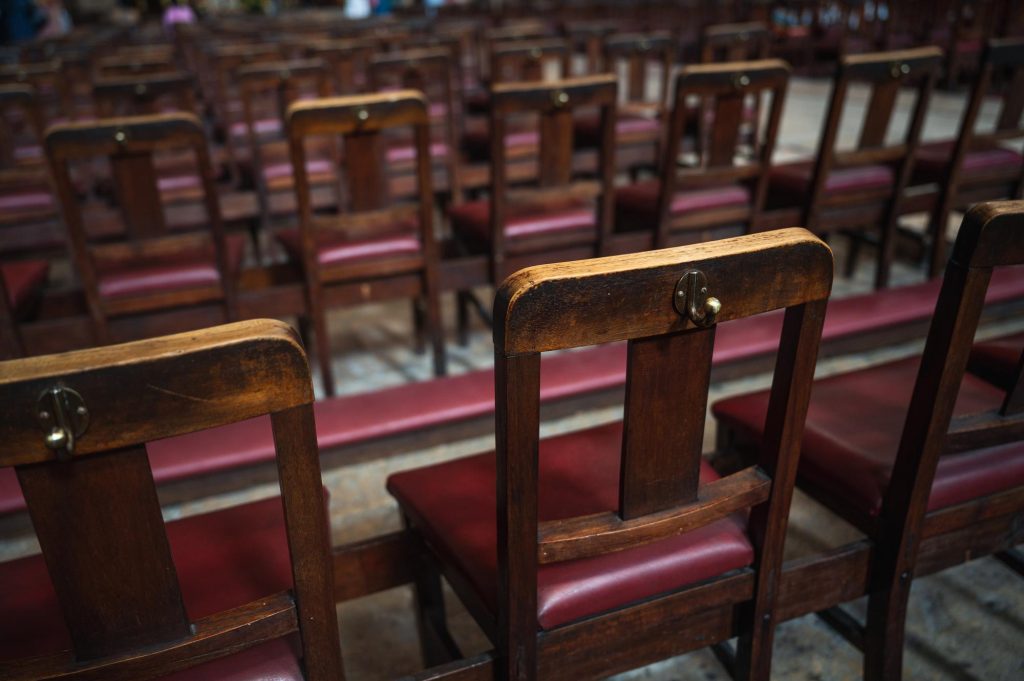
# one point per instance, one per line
(724, 181)
(561, 218)
(977, 165)
(937, 477)
(375, 238)
(155, 264)
(552, 544)
(860, 187)
(241, 593)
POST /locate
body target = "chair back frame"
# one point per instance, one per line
(554, 102)
(639, 51)
(87, 482)
(734, 42)
(727, 87)
(131, 143)
(886, 73)
(551, 307)
(142, 94)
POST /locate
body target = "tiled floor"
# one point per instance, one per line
(964, 624)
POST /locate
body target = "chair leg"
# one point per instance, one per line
(323, 343)
(885, 631)
(418, 326)
(436, 643)
(462, 308)
(434, 327)
(853, 255)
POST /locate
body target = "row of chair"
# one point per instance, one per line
(579, 556)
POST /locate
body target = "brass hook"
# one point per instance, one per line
(64, 417)
(691, 299)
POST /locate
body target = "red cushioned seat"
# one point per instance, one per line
(932, 162)
(587, 128)
(266, 126)
(180, 271)
(453, 503)
(27, 200)
(636, 205)
(23, 281)
(476, 141)
(473, 220)
(996, 360)
(334, 248)
(223, 559)
(275, 172)
(30, 152)
(790, 184)
(853, 429)
(407, 153)
(176, 183)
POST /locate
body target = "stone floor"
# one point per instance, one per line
(964, 624)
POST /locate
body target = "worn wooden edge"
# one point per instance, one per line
(220, 635)
(601, 533)
(162, 387)
(761, 72)
(84, 138)
(595, 301)
(341, 114)
(990, 235)
(855, 64)
(588, 88)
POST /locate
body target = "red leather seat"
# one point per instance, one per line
(453, 503)
(223, 560)
(266, 126)
(191, 269)
(23, 281)
(996, 360)
(30, 200)
(853, 430)
(476, 141)
(587, 128)
(932, 162)
(636, 205)
(473, 220)
(337, 249)
(316, 169)
(407, 153)
(790, 184)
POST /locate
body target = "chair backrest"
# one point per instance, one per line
(666, 304)
(640, 52)
(429, 71)
(145, 94)
(130, 145)
(267, 89)
(991, 236)
(344, 59)
(222, 65)
(554, 104)
(362, 120)
(528, 60)
(731, 149)
(22, 123)
(1001, 78)
(49, 83)
(76, 427)
(589, 38)
(885, 73)
(135, 65)
(734, 42)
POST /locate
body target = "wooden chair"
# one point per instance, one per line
(861, 188)
(347, 62)
(372, 249)
(647, 60)
(725, 184)
(145, 94)
(561, 219)
(431, 72)
(152, 267)
(734, 42)
(265, 91)
(976, 166)
(243, 593)
(47, 79)
(586, 555)
(930, 483)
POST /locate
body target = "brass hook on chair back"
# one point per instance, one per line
(691, 299)
(64, 418)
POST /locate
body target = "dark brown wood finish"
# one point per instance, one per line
(631, 297)
(1004, 60)
(886, 73)
(107, 554)
(130, 144)
(370, 213)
